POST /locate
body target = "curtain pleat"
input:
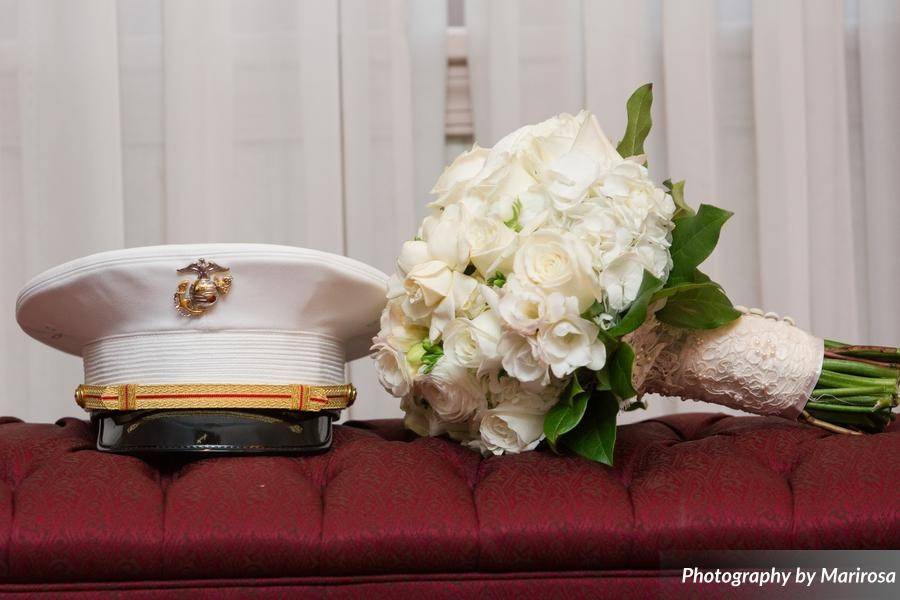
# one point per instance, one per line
(61, 200)
(879, 57)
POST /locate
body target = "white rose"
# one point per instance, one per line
(570, 343)
(394, 373)
(472, 343)
(513, 176)
(413, 253)
(621, 281)
(557, 261)
(458, 174)
(511, 428)
(491, 242)
(426, 285)
(548, 139)
(452, 392)
(526, 307)
(592, 142)
(522, 359)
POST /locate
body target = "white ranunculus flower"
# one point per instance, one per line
(492, 244)
(472, 343)
(397, 330)
(557, 261)
(525, 308)
(394, 372)
(511, 428)
(413, 253)
(621, 281)
(570, 343)
(426, 285)
(522, 359)
(452, 392)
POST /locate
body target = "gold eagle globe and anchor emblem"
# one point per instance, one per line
(194, 298)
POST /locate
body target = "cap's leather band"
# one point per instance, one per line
(306, 398)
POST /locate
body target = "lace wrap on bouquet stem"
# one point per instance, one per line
(761, 364)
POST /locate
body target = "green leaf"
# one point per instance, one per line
(567, 413)
(601, 380)
(595, 436)
(676, 190)
(433, 353)
(694, 238)
(620, 366)
(639, 122)
(637, 312)
(679, 287)
(700, 307)
(609, 341)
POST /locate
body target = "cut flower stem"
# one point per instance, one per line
(857, 388)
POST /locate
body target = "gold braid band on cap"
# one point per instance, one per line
(307, 398)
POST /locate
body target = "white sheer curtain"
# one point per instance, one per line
(308, 122)
(783, 111)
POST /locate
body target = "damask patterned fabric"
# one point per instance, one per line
(383, 507)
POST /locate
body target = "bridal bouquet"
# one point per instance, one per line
(554, 284)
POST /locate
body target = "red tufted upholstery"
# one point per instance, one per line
(383, 507)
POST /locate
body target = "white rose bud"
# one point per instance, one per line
(413, 253)
(452, 392)
(492, 244)
(511, 428)
(556, 261)
(444, 234)
(425, 286)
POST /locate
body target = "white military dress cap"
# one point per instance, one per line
(213, 315)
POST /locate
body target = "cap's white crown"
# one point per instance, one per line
(292, 315)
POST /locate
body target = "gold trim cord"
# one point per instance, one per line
(300, 397)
